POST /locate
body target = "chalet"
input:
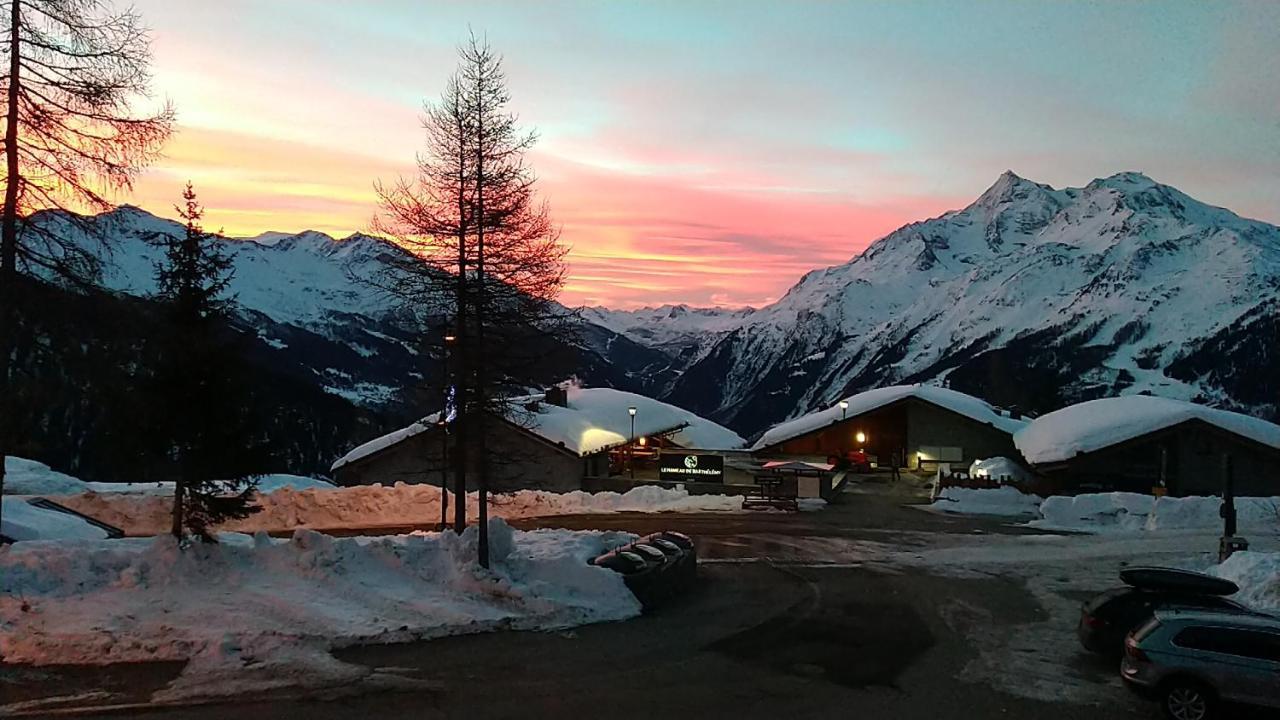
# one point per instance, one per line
(919, 425)
(544, 442)
(1140, 443)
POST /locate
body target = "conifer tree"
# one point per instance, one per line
(204, 427)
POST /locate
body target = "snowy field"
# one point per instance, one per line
(255, 613)
(289, 502)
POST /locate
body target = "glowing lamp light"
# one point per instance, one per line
(861, 437)
(631, 411)
(844, 408)
(643, 441)
(450, 338)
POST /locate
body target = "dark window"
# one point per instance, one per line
(1229, 641)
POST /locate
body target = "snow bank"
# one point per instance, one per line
(22, 521)
(1130, 512)
(1114, 511)
(1007, 500)
(254, 602)
(373, 506)
(865, 402)
(1257, 574)
(998, 468)
(1096, 512)
(1089, 426)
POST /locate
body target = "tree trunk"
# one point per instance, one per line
(179, 490)
(9, 240)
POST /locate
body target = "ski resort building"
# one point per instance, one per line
(545, 442)
(1139, 443)
(916, 425)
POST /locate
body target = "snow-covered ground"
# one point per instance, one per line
(1113, 511)
(1042, 659)
(253, 613)
(373, 506)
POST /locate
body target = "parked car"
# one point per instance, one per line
(1106, 619)
(1195, 662)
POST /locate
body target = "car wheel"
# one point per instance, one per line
(1185, 700)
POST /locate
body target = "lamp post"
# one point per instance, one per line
(631, 461)
(844, 408)
(444, 435)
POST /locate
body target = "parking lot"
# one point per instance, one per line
(868, 608)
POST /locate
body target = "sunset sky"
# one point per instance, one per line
(712, 152)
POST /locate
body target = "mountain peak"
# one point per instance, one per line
(1009, 186)
(1128, 181)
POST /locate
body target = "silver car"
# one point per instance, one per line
(1194, 661)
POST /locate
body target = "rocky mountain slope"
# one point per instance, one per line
(1031, 296)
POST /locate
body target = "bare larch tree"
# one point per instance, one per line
(74, 70)
(485, 254)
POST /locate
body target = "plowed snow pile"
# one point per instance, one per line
(372, 506)
(1257, 574)
(254, 612)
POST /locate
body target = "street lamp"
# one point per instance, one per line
(631, 461)
(444, 434)
(844, 408)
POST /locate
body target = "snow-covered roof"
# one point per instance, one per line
(383, 442)
(1096, 424)
(595, 419)
(24, 521)
(865, 402)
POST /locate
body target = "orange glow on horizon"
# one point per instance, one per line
(634, 239)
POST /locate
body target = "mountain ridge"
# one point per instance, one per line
(1111, 276)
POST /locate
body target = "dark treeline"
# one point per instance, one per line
(82, 356)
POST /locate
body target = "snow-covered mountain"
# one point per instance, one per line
(682, 332)
(307, 297)
(1030, 296)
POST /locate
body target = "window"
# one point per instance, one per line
(1231, 641)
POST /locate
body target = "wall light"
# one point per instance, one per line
(861, 437)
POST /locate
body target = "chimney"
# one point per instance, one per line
(557, 396)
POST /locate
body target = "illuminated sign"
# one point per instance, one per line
(677, 467)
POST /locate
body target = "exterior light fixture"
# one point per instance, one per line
(642, 441)
(631, 445)
(450, 338)
(844, 408)
(861, 437)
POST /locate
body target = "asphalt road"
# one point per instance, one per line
(768, 638)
